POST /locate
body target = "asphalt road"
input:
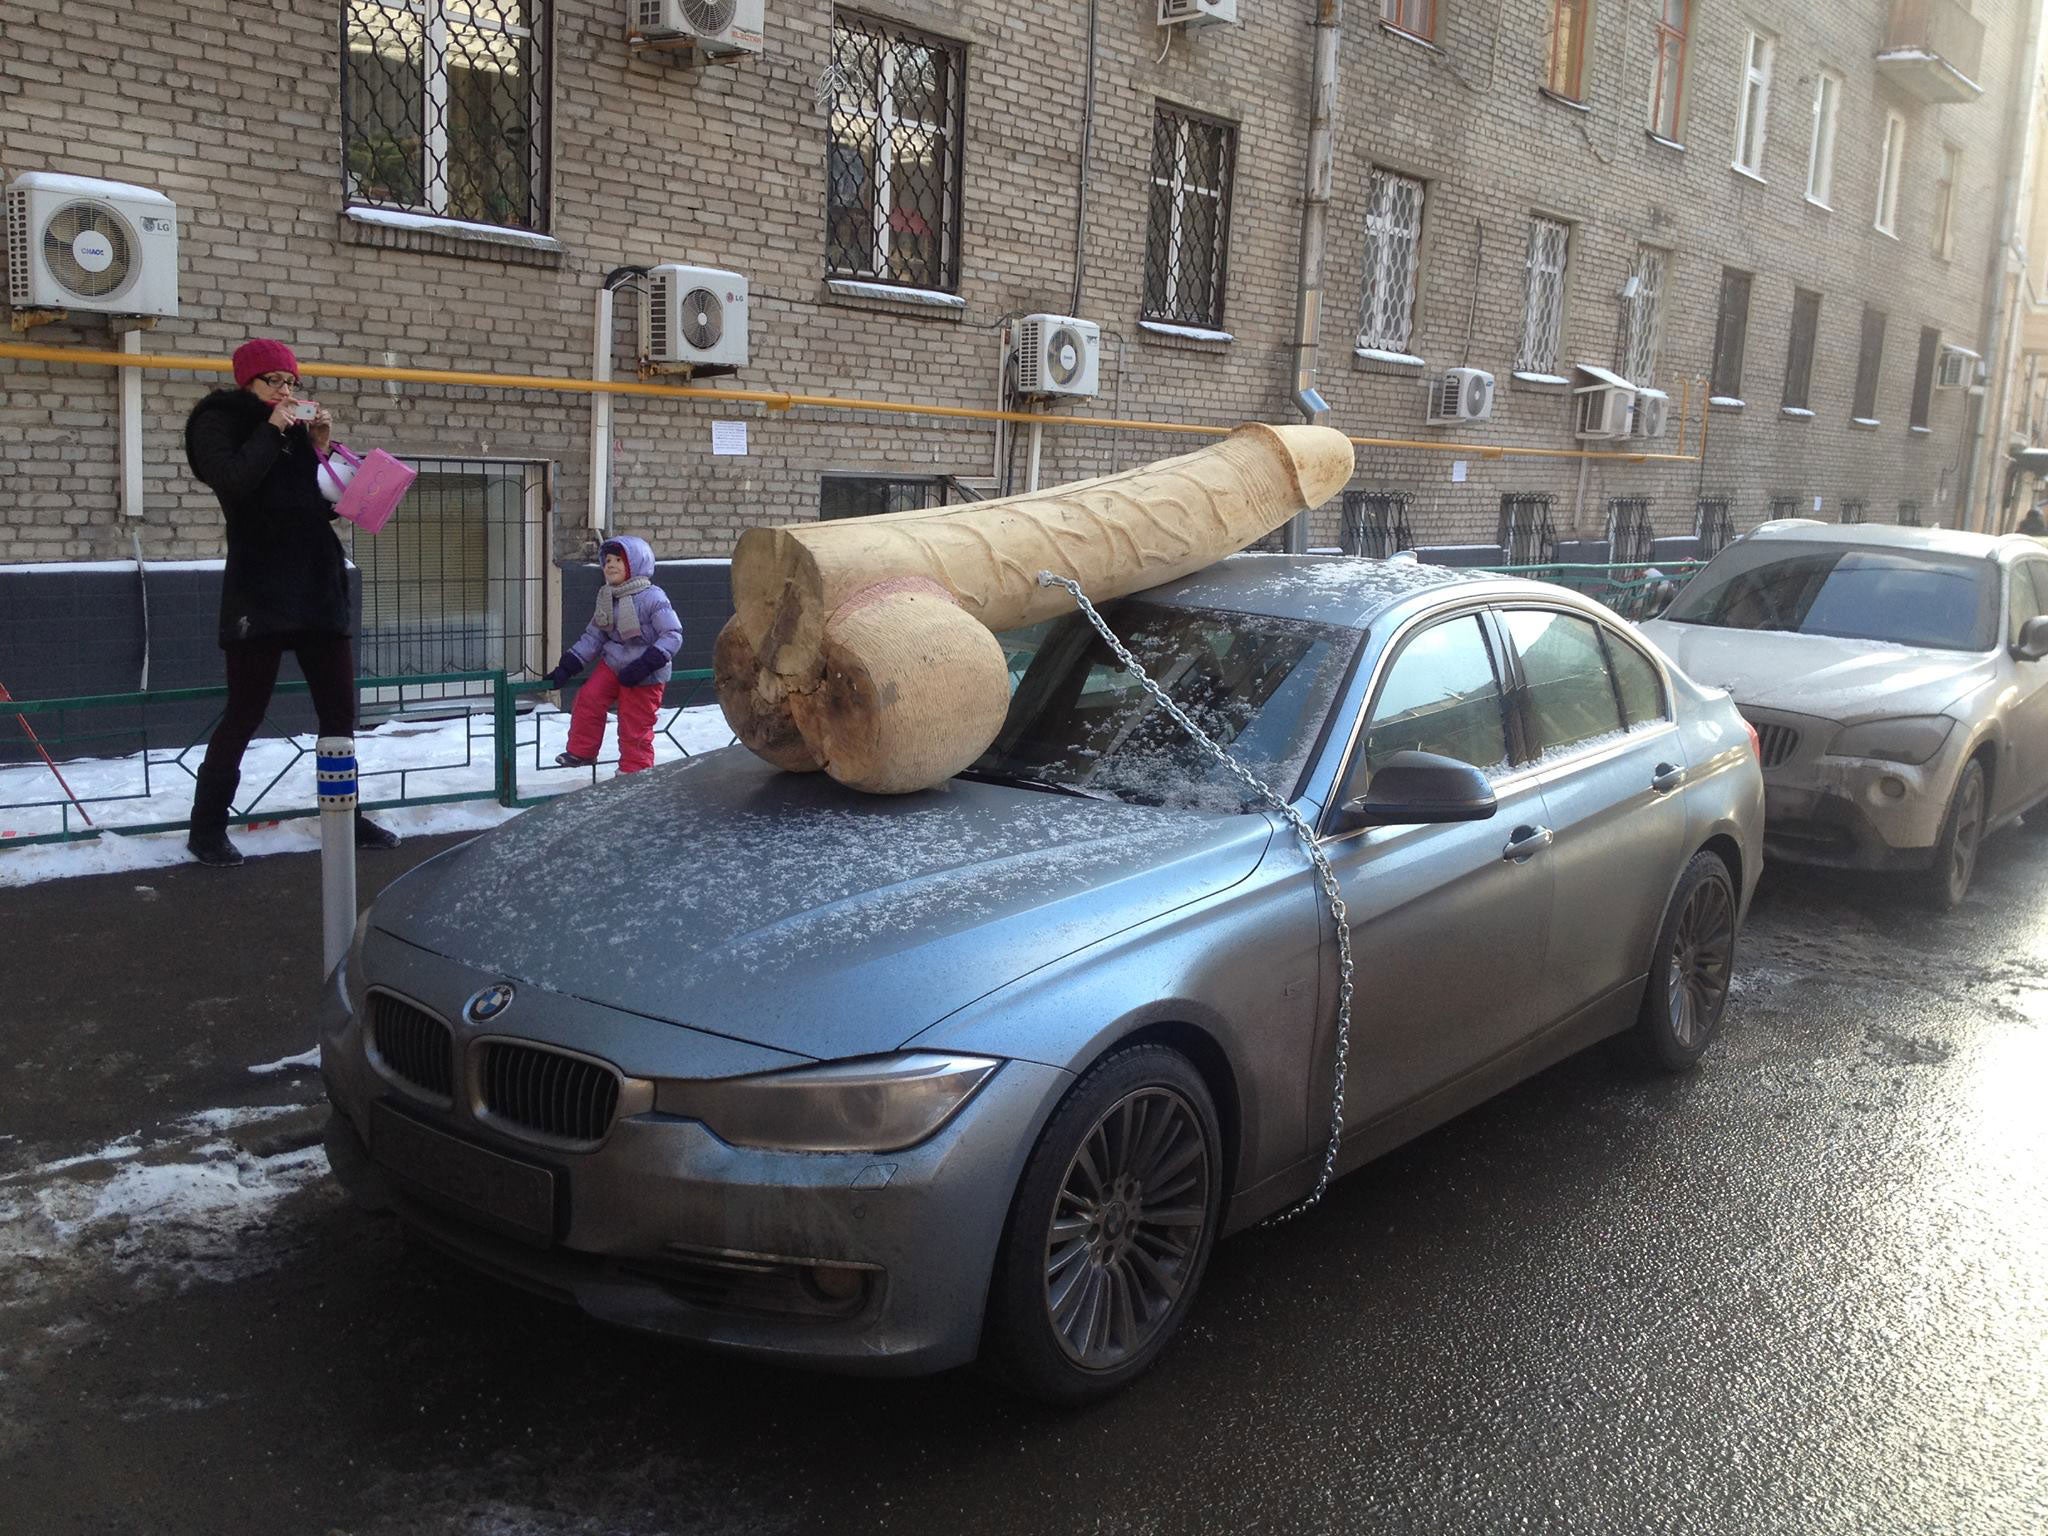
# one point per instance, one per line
(1805, 1290)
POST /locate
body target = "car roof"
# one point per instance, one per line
(1348, 590)
(1940, 541)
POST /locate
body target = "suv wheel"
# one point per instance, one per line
(1947, 881)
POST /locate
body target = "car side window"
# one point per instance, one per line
(1443, 695)
(1570, 693)
(2029, 588)
(1642, 689)
(2038, 569)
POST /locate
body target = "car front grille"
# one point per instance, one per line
(414, 1044)
(1776, 742)
(565, 1097)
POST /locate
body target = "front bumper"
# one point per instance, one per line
(870, 1262)
(1854, 813)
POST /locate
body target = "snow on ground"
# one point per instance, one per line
(399, 758)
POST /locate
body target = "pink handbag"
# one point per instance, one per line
(375, 484)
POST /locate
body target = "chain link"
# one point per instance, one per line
(1325, 875)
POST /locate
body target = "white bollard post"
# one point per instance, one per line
(335, 762)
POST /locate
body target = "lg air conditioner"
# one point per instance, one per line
(1057, 355)
(77, 243)
(1196, 13)
(694, 317)
(714, 28)
(1652, 414)
(1460, 395)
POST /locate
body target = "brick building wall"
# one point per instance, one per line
(235, 112)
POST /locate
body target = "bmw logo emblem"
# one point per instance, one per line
(488, 1004)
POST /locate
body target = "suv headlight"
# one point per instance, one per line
(874, 1104)
(1908, 739)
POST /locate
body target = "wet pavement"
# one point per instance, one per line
(1805, 1290)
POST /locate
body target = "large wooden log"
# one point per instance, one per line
(977, 562)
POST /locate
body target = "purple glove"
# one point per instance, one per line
(642, 667)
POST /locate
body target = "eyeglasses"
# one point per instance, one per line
(279, 380)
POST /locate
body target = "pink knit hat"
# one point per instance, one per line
(255, 358)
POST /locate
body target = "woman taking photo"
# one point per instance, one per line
(286, 585)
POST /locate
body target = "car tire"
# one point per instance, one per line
(1690, 968)
(1947, 879)
(1096, 1270)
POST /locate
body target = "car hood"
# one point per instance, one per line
(787, 911)
(1816, 675)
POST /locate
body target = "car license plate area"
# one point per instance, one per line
(507, 1194)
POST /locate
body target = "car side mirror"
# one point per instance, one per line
(1418, 788)
(2032, 644)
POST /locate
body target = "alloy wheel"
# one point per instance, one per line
(1126, 1227)
(1702, 959)
(1962, 857)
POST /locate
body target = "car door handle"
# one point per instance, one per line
(1527, 843)
(1667, 778)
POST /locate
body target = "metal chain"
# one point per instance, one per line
(1324, 873)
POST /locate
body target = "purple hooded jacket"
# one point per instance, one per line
(659, 626)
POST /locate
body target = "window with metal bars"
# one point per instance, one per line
(1909, 514)
(1376, 524)
(893, 155)
(1416, 17)
(1713, 524)
(865, 495)
(1667, 80)
(1187, 234)
(1923, 378)
(1786, 506)
(1799, 350)
(1731, 333)
(456, 581)
(1629, 531)
(1569, 22)
(1642, 318)
(444, 108)
(1869, 364)
(1855, 510)
(1525, 531)
(1543, 296)
(1393, 241)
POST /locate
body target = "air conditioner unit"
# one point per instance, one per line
(694, 317)
(1197, 13)
(716, 28)
(1652, 413)
(1461, 394)
(81, 244)
(1956, 369)
(1606, 405)
(1057, 355)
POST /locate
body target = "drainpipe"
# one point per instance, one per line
(601, 403)
(1315, 219)
(2002, 291)
(131, 429)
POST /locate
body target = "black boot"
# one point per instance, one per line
(212, 796)
(370, 835)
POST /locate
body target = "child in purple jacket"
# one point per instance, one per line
(633, 637)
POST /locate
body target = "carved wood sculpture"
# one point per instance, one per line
(866, 647)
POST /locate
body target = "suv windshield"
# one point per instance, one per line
(1078, 721)
(1906, 597)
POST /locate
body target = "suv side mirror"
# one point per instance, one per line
(1416, 788)
(2032, 644)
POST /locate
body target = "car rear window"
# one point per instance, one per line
(1905, 597)
(1260, 686)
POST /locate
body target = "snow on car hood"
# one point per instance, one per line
(1817, 675)
(786, 910)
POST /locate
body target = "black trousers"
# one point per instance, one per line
(330, 666)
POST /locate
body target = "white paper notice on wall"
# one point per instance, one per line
(729, 437)
(1816, 503)
(1458, 471)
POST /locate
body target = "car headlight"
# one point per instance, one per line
(875, 1104)
(1908, 739)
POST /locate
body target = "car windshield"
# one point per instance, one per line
(1905, 597)
(1080, 722)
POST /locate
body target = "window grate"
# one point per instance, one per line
(1714, 525)
(1909, 514)
(1376, 524)
(444, 108)
(1855, 511)
(1525, 531)
(869, 495)
(1393, 238)
(1187, 235)
(893, 155)
(1786, 506)
(1543, 296)
(1643, 318)
(1629, 532)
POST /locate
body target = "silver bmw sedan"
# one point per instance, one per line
(885, 1084)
